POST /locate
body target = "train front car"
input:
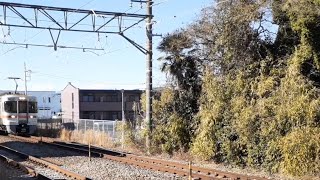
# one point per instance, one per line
(18, 114)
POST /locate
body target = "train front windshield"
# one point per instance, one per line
(33, 107)
(12, 106)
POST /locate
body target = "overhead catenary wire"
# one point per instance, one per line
(87, 50)
(26, 46)
(122, 26)
(61, 19)
(26, 40)
(21, 2)
(81, 24)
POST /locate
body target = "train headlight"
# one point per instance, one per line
(32, 116)
(13, 116)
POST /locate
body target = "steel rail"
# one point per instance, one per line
(159, 164)
(203, 170)
(150, 163)
(46, 164)
(158, 168)
(23, 168)
(118, 156)
(86, 147)
(18, 165)
(196, 169)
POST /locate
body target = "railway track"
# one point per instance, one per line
(13, 169)
(36, 167)
(180, 169)
(161, 165)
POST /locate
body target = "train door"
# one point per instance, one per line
(22, 112)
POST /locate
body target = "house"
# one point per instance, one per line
(97, 104)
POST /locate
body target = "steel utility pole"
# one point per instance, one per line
(149, 74)
(25, 79)
(26, 90)
(123, 117)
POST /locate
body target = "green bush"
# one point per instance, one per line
(301, 152)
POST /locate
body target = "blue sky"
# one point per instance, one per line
(120, 65)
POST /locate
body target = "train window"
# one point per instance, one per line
(10, 106)
(22, 106)
(33, 107)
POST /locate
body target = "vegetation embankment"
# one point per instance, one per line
(243, 87)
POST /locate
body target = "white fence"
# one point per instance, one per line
(106, 126)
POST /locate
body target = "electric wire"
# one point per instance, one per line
(26, 40)
(69, 23)
(60, 20)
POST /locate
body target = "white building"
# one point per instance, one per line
(49, 102)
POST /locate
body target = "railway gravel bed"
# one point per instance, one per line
(112, 170)
(38, 168)
(8, 172)
(97, 168)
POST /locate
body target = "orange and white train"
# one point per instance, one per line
(18, 114)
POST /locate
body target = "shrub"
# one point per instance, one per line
(301, 152)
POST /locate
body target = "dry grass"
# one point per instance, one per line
(86, 137)
(100, 139)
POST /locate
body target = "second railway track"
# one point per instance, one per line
(96, 168)
(35, 166)
(181, 169)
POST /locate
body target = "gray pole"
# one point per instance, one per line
(123, 118)
(122, 104)
(25, 79)
(149, 74)
(26, 90)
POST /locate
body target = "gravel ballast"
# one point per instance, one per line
(96, 169)
(8, 172)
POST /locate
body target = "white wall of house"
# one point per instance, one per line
(49, 103)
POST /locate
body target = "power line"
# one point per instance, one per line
(40, 45)
(86, 50)
(44, 29)
(81, 24)
(75, 28)
(61, 19)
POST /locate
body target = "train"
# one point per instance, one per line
(18, 114)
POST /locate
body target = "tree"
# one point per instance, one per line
(177, 106)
